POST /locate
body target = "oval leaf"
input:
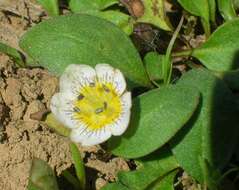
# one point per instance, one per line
(220, 52)
(231, 78)
(95, 7)
(149, 169)
(85, 5)
(122, 20)
(206, 140)
(156, 116)
(41, 176)
(115, 186)
(165, 183)
(83, 39)
(226, 9)
(202, 8)
(13, 53)
(153, 167)
(154, 13)
(51, 6)
(236, 3)
(153, 64)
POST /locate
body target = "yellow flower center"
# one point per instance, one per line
(97, 105)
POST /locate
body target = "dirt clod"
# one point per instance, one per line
(33, 107)
(100, 182)
(24, 143)
(25, 92)
(22, 138)
(108, 169)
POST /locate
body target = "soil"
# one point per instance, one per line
(25, 91)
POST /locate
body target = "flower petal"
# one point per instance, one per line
(126, 101)
(120, 126)
(89, 137)
(75, 76)
(119, 82)
(61, 107)
(106, 73)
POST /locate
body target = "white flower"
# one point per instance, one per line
(92, 102)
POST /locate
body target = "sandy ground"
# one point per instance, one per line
(24, 91)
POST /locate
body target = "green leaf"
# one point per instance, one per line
(85, 5)
(152, 167)
(230, 77)
(220, 52)
(16, 55)
(165, 183)
(83, 39)
(201, 8)
(51, 6)
(41, 176)
(72, 179)
(226, 9)
(120, 19)
(79, 164)
(156, 117)
(153, 65)
(154, 13)
(206, 139)
(94, 8)
(77, 6)
(103, 4)
(236, 3)
(115, 186)
(211, 174)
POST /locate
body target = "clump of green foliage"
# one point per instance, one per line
(190, 123)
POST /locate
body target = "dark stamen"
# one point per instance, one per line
(106, 89)
(92, 84)
(80, 97)
(76, 109)
(99, 110)
(105, 105)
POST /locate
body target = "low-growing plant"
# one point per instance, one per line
(180, 122)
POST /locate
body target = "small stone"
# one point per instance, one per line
(17, 111)
(100, 182)
(2, 83)
(33, 107)
(11, 95)
(29, 90)
(49, 88)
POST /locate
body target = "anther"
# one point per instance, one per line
(80, 97)
(106, 89)
(105, 105)
(99, 110)
(92, 84)
(76, 109)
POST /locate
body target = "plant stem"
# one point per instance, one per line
(72, 179)
(206, 27)
(167, 63)
(79, 165)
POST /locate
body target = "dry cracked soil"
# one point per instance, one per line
(25, 91)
